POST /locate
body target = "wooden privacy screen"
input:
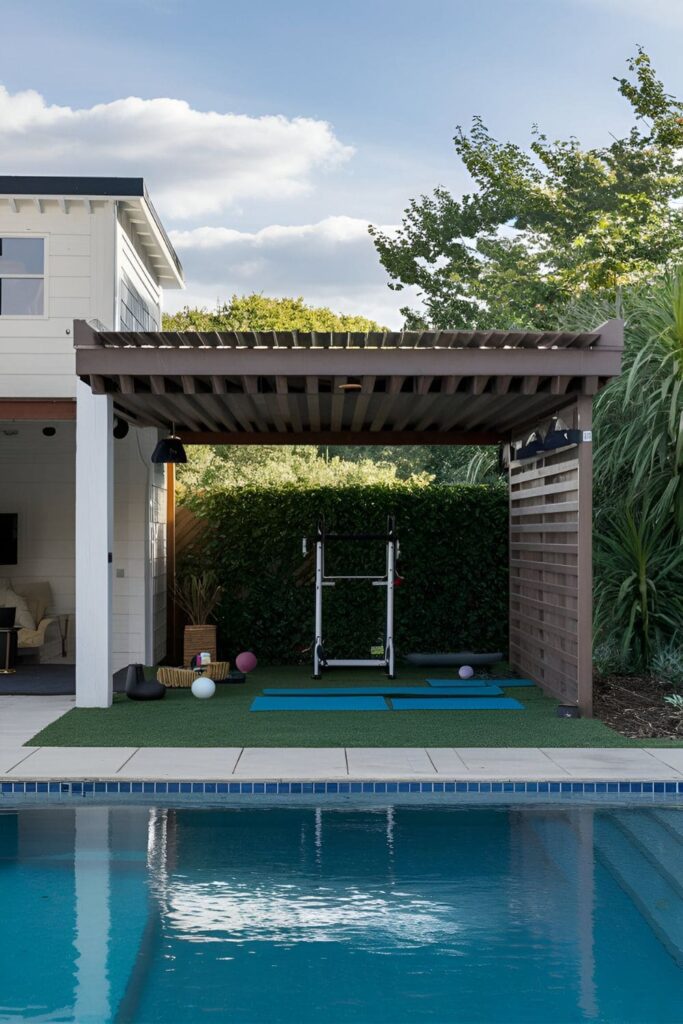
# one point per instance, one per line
(551, 567)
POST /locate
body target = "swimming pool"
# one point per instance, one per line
(340, 914)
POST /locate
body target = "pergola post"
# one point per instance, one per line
(94, 536)
(551, 565)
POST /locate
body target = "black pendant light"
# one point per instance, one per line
(169, 449)
(121, 428)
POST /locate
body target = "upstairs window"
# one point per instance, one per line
(136, 314)
(22, 276)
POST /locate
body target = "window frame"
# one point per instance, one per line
(131, 287)
(45, 238)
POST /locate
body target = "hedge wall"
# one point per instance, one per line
(453, 541)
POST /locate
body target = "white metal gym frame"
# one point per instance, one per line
(387, 661)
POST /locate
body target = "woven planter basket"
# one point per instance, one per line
(183, 677)
(196, 639)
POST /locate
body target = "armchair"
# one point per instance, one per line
(38, 597)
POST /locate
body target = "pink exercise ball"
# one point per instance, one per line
(246, 661)
(466, 672)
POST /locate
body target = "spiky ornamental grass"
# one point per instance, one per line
(639, 472)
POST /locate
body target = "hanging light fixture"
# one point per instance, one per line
(169, 449)
(121, 428)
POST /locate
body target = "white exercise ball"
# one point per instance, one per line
(203, 687)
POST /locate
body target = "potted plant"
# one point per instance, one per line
(198, 595)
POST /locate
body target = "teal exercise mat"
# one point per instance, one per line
(319, 704)
(492, 683)
(456, 704)
(386, 691)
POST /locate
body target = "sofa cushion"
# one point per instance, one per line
(10, 599)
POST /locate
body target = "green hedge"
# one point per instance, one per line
(453, 556)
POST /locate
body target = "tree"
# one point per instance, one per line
(444, 464)
(215, 466)
(260, 313)
(231, 466)
(544, 225)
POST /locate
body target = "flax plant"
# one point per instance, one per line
(638, 593)
(639, 472)
(198, 596)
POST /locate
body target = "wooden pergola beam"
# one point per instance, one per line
(344, 437)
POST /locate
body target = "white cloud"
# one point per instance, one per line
(330, 231)
(332, 262)
(196, 162)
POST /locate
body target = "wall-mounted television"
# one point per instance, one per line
(9, 532)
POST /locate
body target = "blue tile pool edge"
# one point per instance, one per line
(137, 790)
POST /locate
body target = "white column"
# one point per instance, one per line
(94, 541)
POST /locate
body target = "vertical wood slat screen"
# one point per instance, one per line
(551, 571)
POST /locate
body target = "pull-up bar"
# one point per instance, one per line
(390, 539)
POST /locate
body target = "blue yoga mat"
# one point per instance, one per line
(319, 704)
(387, 691)
(456, 704)
(481, 682)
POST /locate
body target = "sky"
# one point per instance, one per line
(270, 133)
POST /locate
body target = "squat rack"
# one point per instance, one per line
(387, 579)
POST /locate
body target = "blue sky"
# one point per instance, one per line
(271, 133)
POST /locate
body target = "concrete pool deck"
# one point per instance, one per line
(22, 717)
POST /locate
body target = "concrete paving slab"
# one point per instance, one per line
(179, 763)
(72, 763)
(670, 756)
(447, 761)
(608, 757)
(11, 756)
(389, 762)
(22, 717)
(292, 763)
(492, 763)
(608, 763)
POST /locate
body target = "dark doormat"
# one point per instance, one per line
(48, 680)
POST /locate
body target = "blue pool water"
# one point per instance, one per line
(297, 915)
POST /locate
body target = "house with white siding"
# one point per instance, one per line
(92, 249)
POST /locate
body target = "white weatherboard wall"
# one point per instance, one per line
(139, 624)
(133, 261)
(139, 602)
(36, 353)
(38, 478)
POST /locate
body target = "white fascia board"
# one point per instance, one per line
(152, 238)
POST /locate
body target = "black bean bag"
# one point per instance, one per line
(139, 688)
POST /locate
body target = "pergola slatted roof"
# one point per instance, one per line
(393, 387)
(539, 340)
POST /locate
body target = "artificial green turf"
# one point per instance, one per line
(180, 720)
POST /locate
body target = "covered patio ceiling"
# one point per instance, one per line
(288, 387)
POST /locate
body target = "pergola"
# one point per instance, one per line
(410, 387)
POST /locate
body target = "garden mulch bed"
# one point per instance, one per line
(634, 706)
